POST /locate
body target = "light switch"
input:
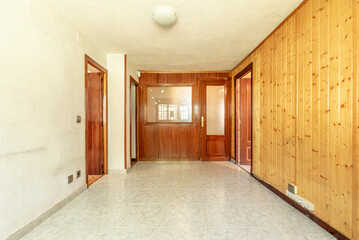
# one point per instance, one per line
(70, 179)
(78, 119)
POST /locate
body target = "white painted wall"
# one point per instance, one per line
(41, 92)
(116, 78)
(116, 88)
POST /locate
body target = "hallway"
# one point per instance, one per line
(178, 200)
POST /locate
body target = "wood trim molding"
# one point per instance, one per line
(134, 81)
(289, 16)
(95, 64)
(246, 70)
(89, 60)
(301, 209)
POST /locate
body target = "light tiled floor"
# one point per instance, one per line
(246, 167)
(178, 200)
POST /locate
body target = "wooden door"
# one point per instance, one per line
(246, 121)
(215, 121)
(94, 122)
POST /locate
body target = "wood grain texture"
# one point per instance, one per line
(215, 147)
(148, 134)
(176, 140)
(94, 120)
(246, 121)
(93, 178)
(356, 123)
(93, 63)
(305, 109)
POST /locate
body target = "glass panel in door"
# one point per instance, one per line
(215, 110)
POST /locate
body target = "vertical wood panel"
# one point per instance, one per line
(345, 161)
(315, 131)
(356, 123)
(306, 76)
(258, 112)
(334, 112)
(169, 141)
(323, 179)
(148, 134)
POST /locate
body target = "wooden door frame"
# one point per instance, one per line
(227, 130)
(96, 65)
(132, 80)
(246, 70)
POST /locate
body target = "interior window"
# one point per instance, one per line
(169, 104)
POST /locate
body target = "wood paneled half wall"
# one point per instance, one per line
(172, 141)
(305, 109)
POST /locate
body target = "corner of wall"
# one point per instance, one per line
(116, 119)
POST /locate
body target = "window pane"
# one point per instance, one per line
(215, 110)
(169, 104)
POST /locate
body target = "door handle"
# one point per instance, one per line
(202, 121)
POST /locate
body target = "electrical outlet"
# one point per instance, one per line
(78, 174)
(70, 179)
(292, 188)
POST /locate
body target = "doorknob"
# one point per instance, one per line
(202, 121)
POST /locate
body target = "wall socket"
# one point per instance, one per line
(78, 174)
(70, 179)
(292, 188)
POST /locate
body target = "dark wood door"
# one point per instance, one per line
(246, 121)
(94, 122)
(215, 121)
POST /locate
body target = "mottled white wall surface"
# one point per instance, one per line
(41, 93)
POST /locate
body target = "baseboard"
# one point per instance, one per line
(33, 224)
(314, 218)
(117, 171)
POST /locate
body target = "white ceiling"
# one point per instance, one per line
(208, 35)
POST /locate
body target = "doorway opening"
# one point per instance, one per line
(95, 120)
(243, 118)
(133, 121)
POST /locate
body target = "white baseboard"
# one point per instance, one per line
(30, 226)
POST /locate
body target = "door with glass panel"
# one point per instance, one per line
(215, 121)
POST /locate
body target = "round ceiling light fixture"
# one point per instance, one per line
(164, 16)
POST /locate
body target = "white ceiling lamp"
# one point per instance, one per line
(164, 16)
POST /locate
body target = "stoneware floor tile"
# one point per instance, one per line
(178, 200)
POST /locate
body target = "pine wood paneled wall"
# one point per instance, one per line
(305, 109)
(356, 123)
